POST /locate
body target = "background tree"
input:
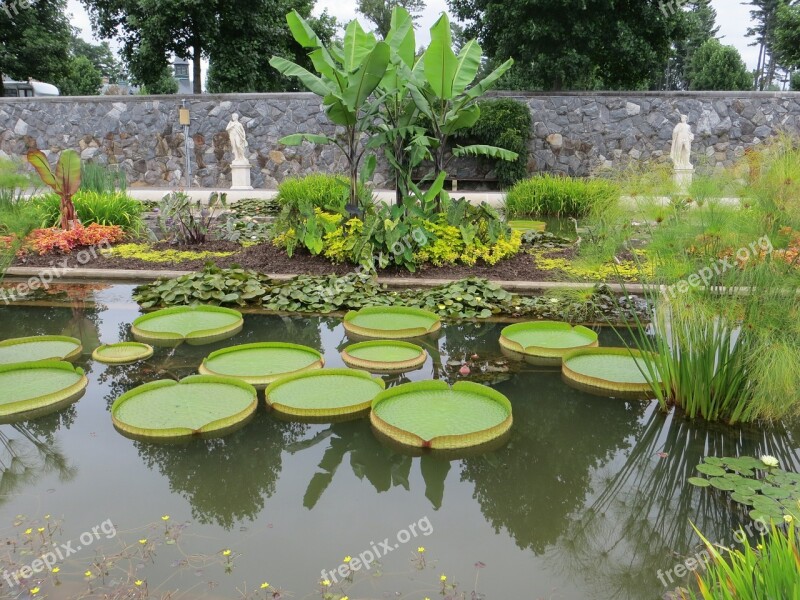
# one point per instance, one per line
(694, 25)
(379, 12)
(718, 67)
(34, 41)
(765, 16)
(572, 44)
(101, 56)
(81, 78)
(787, 37)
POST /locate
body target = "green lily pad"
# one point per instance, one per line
(722, 484)
(33, 389)
(745, 499)
(527, 225)
(431, 414)
(699, 481)
(391, 322)
(711, 470)
(123, 353)
(384, 356)
(545, 342)
(324, 394)
(608, 369)
(200, 405)
(196, 324)
(41, 347)
(776, 492)
(261, 363)
(713, 460)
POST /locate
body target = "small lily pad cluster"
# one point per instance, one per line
(768, 491)
(223, 287)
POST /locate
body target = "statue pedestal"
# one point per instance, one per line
(683, 179)
(240, 175)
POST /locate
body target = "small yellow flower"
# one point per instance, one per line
(788, 518)
(759, 547)
(87, 574)
(55, 570)
(46, 517)
(40, 529)
(143, 541)
(345, 597)
(226, 553)
(264, 585)
(347, 558)
(165, 518)
(34, 591)
(443, 578)
(421, 549)
(28, 531)
(325, 582)
(138, 582)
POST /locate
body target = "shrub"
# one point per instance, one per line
(184, 221)
(102, 208)
(505, 123)
(559, 196)
(328, 192)
(52, 240)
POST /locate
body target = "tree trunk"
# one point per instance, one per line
(68, 217)
(197, 74)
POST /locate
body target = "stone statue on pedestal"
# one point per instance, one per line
(681, 152)
(238, 139)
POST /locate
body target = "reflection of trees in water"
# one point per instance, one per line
(532, 485)
(29, 450)
(225, 480)
(639, 522)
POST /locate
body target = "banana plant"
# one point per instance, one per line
(346, 77)
(64, 182)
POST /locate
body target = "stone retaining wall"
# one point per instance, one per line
(572, 133)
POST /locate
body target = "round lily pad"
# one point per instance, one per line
(742, 498)
(32, 389)
(707, 469)
(261, 363)
(430, 414)
(391, 322)
(41, 347)
(122, 353)
(722, 484)
(200, 405)
(197, 325)
(324, 394)
(545, 342)
(699, 481)
(608, 369)
(384, 356)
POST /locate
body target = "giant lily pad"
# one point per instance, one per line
(527, 225)
(608, 370)
(431, 414)
(197, 325)
(545, 342)
(42, 347)
(384, 356)
(324, 394)
(200, 405)
(262, 363)
(32, 389)
(391, 322)
(123, 353)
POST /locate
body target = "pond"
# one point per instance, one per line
(587, 499)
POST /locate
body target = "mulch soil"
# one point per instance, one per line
(266, 258)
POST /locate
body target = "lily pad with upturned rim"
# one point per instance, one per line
(545, 342)
(607, 369)
(197, 325)
(431, 414)
(123, 353)
(261, 363)
(384, 356)
(197, 405)
(391, 322)
(40, 347)
(324, 394)
(527, 225)
(32, 389)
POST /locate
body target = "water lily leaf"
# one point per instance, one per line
(699, 481)
(742, 498)
(722, 484)
(711, 470)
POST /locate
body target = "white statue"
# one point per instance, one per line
(682, 138)
(238, 139)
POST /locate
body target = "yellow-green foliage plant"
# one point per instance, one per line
(551, 195)
(771, 570)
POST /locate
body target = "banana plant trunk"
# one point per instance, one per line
(69, 220)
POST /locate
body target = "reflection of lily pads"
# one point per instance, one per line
(197, 325)
(41, 347)
(32, 389)
(261, 363)
(430, 414)
(197, 405)
(384, 356)
(545, 342)
(122, 353)
(391, 322)
(607, 369)
(323, 394)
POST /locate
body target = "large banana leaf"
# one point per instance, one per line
(461, 119)
(290, 69)
(484, 150)
(357, 46)
(364, 81)
(68, 172)
(441, 62)
(338, 112)
(302, 31)
(39, 162)
(401, 37)
(485, 84)
(469, 61)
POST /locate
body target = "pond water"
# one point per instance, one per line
(587, 499)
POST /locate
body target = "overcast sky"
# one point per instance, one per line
(732, 17)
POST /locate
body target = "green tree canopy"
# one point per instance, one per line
(787, 35)
(572, 44)
(695, 25)
(82, 78)
(34, 41)
(379, 12)
(718, 67)
(101, 56)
